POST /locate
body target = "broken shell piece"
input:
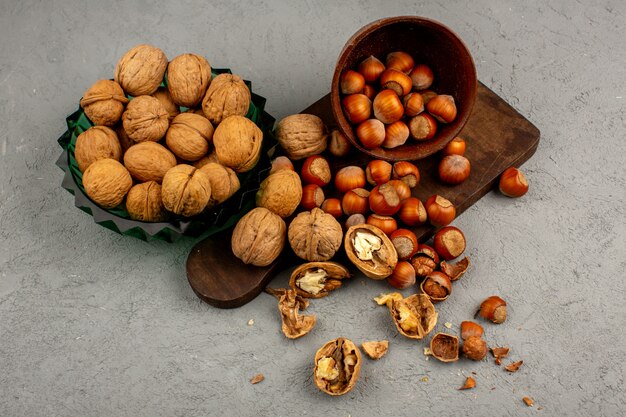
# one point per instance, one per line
(371, 251)
(513, 367)
(375, 350)
(387, 299)
(289, 304)
(437, 286)
(317, 279)
(499, 353)
(528, 401)
(414, 316)
(456, 270)
(445, 347)
(469, 383)
(337, 366)
(256, 379)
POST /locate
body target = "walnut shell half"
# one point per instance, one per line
(280, 192)
(104, 102)
(145, 119)
(237, 143)
(188, 77)
(186, 190)
(337, 366)
(414, 316)
(294, 325)
(370, 250)
(259, 237)
(315, 235)
(140, 71)
(228, 95)
(301, 135)
(318, 279)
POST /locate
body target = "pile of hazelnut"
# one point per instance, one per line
(163, 150)
(388, 102)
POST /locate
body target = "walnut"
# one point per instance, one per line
(145, 119)
(144, 202)
(97, 142)
(189, 136)
(293, 325)
(224, 182)
(337, 366)
(371, 251)
(122, 136)
(163, 95)
(237, 142)
(140, 71)
(301, 135)
(280, 193)
(315, 235)
(375, 350)
(104, 102)
(149, 161)
(227, 96)
(317, 279)
(188, 77)
(186, 190)
(106, 182)
(210, 158)
(259, 237)
(414, 316)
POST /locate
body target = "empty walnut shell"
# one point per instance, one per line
(104, 102)
(145, 119)
(445, 347)
(144, 202)
(375, 350)
(414, 316)
(280, 192)
(189, 136)
(163, 95)
(228, 95)
(237, 143)
(437, 286)
(106, 182)
(315, 235)
(337, 366)
(317, 279)
(140, 71)
(301, 135)
(370, 250)
(455, 271)
(97, 142)
(186, 190)
(224, 182)
(188, 77)
(259, 237)
(149, 161)
(294, 325)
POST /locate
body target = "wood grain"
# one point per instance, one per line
(497, 137)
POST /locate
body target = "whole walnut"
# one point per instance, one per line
(212, 157)
(301, 135)
(259, 237)
(186, 190)
(237, 143)
(148, 161)
(163, 95)
(106, 182)
(224, 182)
(315, 235)
(97, 142)
(189, 136)
(104, 102)
(143, 202)
(188, 77)
(140, 71)
(145, 119)
(280, 193)
(227, 96)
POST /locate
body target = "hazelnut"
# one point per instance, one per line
(475, 348)
(224, 182)
(493, 309)
(317, 279)
(140, 71)
(437, 286)
(149, 161)
(163, 95)
(104, 102)
(469, 329)
(145, 119)
(188, 77)
(237, 142)
(301, 135)
(186, 190)
(106, 182)
(144, 202)
(189, 136)
(371, 251)
(97, 142)
(227, 96)
(315, 235)
(280, 193)
(337, 366)
(258, 237)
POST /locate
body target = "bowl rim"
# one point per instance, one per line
(335, 99)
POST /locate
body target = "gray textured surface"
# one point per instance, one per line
(92, 323)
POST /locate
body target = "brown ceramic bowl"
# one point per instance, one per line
(428, 42)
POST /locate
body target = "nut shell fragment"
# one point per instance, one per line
(445, 347)
(259, 237)
(371, 251)
(294, 325)
(315, 235)
(104, 102)
(140, 71)
(301, 135)
(375, 350)
(228, 95)
(456, 270)
(469, 383)
(337, 366)
(317, 279)
(514, 366)
(414, 316)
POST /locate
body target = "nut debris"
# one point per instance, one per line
(448, 325)
(469, 383)
(251, 322)
(528, 401)
(387, 299)
(375, 349)
(424, 379)
(513, 367)
(499, 353)
(256, 379)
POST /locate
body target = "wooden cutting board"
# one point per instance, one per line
(497, 137)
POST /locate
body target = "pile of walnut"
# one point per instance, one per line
(147, 153)
(303, 216)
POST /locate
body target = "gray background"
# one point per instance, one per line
(93, 323)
